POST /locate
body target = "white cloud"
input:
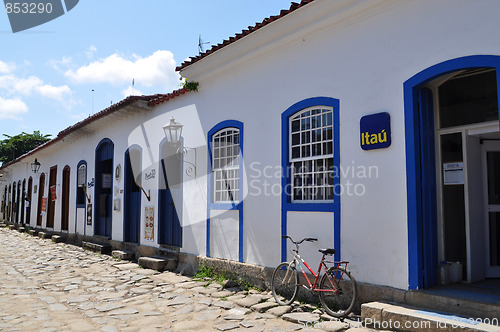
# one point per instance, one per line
(11, 108)
(54, 92)
(157, 69)
(130, 91)
(14, 85)
(6, 68)
(91, 51)
(57, 64)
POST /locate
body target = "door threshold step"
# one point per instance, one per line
(123, 254)
(97, 247)
(158, 263)
(394, 316)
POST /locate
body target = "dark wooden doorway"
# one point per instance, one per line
(23, 201)
(41, 189)
(28, 202)
(65, 199)
(51, 197)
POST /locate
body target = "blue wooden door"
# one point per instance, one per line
(103, 188)
(428, 200)
(131, 204)
(170, 227)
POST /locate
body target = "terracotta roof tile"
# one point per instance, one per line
(244, 33)
(151, 99)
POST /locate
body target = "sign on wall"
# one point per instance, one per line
(44, 205)
(89, 214)
(453, 173)
(375, 131)
(53, 195)
(149, 227)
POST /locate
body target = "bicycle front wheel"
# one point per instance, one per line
(285, 284)
(338, 291)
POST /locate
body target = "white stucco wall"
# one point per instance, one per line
(361, 54)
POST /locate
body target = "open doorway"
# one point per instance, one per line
(451, 116)
(103, 188)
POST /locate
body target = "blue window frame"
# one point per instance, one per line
(81, 183)
(313, 141)
(225, 171)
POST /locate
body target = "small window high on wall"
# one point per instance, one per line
(226, 165)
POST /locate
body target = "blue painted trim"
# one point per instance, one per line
(416, 228)
(80, 163)
(286, 204)
(98, 180)
(225, 206)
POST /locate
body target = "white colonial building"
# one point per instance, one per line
(371, 125)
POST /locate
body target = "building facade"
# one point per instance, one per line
(370, 125)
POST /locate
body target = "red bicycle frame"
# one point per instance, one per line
(316, 275)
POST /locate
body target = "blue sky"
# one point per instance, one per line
(47, 73)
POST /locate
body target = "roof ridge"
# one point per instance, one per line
(245, 32)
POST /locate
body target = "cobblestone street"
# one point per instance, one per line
(46, 286)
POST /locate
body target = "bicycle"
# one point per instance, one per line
(337, 287)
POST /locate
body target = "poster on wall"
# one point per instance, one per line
(44, 205)
(453, 173)
(149, 227)
(53, 193)
(106, 181)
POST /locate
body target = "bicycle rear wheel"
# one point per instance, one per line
(285, 284)
(338, 291)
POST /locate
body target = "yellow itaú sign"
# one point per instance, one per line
(375, 131)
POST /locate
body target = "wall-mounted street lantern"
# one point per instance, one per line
(35, 166)
(173, 133)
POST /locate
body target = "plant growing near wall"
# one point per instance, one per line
(191, 86)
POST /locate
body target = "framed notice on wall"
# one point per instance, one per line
(453, 173)
(106, 181)
(149, 230)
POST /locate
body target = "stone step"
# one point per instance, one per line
(123, 254)
(392, 316)
(57, 238)
(12, 227)
(97, 247)
(33, 232)
(44, 235)
(158, 263)
(21, 229)
(3, 225)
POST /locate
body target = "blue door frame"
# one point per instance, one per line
(104, 154)
(420, 165)
(131, 202)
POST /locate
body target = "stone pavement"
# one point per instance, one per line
(46, 286)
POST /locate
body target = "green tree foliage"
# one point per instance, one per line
(15, 146)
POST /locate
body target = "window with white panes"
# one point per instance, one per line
(311, 155)
(226, 165)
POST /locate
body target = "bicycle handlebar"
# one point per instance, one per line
(309, 239)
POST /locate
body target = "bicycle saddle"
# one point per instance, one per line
(327, 251)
